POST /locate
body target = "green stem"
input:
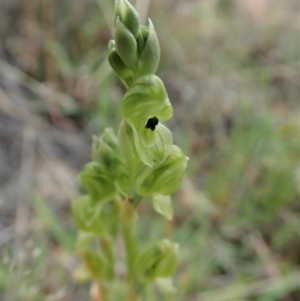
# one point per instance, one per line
(128, 218)
(107, 248)
(128, 231)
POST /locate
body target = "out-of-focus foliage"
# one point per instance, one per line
(232, 72)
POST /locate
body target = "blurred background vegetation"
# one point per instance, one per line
(232, 71)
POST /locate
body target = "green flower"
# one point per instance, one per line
(159, 260)
(144, 106)
(163, 178)
(87, 215)
(106, 152)
(98, 183)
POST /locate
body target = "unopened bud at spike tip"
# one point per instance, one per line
(128, 16)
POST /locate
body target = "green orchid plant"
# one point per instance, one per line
(140, 161)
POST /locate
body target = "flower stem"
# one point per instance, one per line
(128, 218)
(107, 248)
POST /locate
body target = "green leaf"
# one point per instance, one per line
(62, 58)
(163, 178)
(128, 16)
(150, 55)
(159, 260)
(162, 205)
(97, 182)
(126, 45)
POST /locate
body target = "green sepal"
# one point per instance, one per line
(162, 204)
(128, 16)
(163, 178)
(142, 38)
(150, 55)
(159, 260)
(154, 145)
(126, 45)
(146, 98)
(126, 140)
(98, 183)
(87, 216)
(97, 265)
(125, 74)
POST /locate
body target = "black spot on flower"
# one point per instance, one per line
(152, 123)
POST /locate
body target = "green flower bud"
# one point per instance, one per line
(150, 54)
(125, 74)
(160, 260)
(87, 216)
(128, 16)
(126, 45)
(163, 178)
(97, 182)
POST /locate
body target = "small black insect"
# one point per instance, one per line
(152, 123)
